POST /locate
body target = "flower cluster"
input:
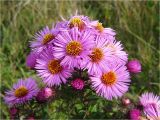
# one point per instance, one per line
(83, 44)
(87, 46)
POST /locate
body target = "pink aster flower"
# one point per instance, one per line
(73, 47)
(77, 84)
(79, 21)
(31, 59)
(118, 54)
(151, 105)
(135, 114)
(134, 66)
(99, 30)
(99, 57)
(50, 70)
(21, 92)
(43, 38)
(112, 83)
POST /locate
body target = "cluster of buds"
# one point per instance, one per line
(45, 94)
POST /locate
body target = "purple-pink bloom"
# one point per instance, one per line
(50, 69)
(112, 83)
(135, 114)
(119, 56)
(31, 59)
(134, 66)
(99, 57)
(77, 84)
(21, 92)
(73, 47)
(79, 21)
(151, 105)
(99, 30)
(43, 39)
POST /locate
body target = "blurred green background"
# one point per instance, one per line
(136, 24)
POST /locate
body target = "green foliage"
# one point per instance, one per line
(136, 24)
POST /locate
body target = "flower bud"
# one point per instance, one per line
(48, 92)
(77, 84)
(13, 111)
(134, 66)
(126, 101)
(134, 114)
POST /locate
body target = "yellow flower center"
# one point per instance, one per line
(100, 27)
(109, 78)
(74, 48)
(97, 55)
(47, 38)
(21, 91)
(77, 22)
(54, 66)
